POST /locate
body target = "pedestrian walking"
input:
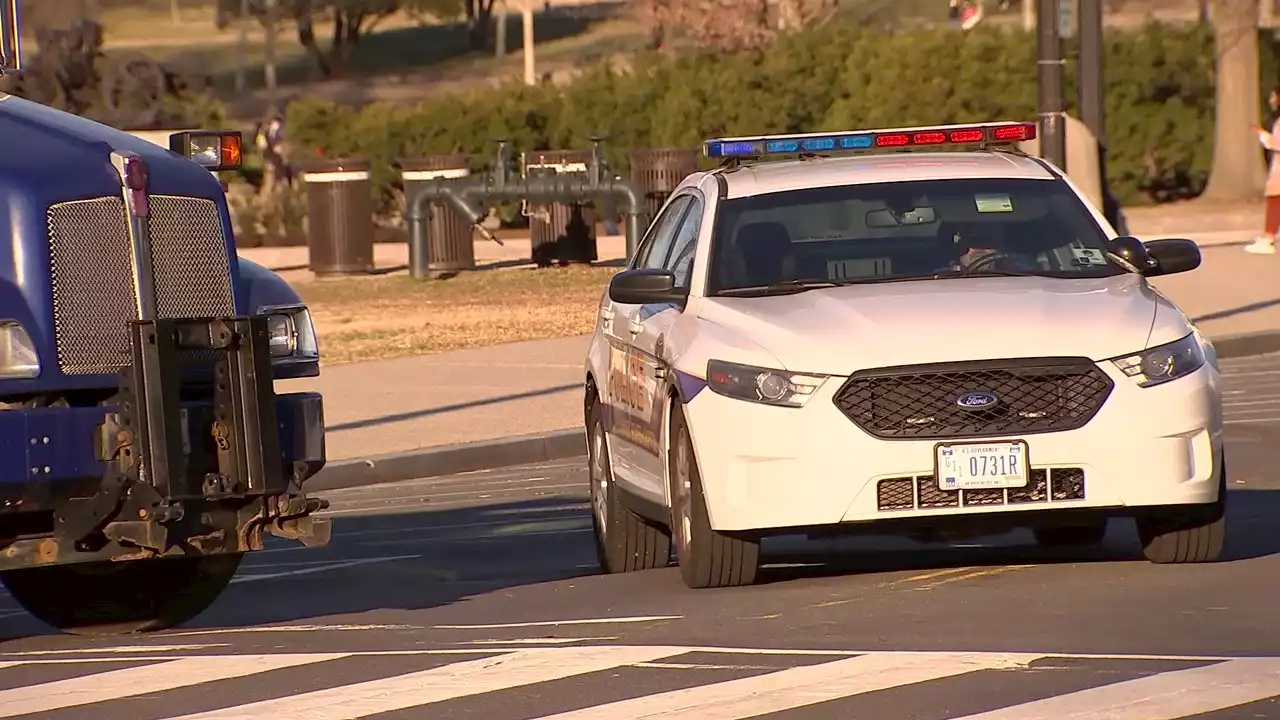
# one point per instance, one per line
(1266, 244)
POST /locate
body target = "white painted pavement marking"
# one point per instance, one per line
(1168, 695)
(116, 684)
(797, 687)
(321, 568)
(547, 623)
(524, 667)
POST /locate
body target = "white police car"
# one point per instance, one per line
(926, 342)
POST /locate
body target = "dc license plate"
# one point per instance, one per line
(981, 466)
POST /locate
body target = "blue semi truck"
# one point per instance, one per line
(145, 449)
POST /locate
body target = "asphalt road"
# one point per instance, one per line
(477, 596)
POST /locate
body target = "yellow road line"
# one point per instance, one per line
(986, 572)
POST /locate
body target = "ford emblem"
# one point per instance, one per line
(977, 400)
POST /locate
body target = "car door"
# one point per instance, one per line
(650, 325)
(626, 396)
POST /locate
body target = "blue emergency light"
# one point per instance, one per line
(1000, 133)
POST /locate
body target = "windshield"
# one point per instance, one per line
(885, 232)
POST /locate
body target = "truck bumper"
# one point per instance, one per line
(57, 444)
(50, 462)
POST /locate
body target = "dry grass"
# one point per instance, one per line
(373, 318)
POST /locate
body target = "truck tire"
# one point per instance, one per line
(707, 558)
(117, 598)
(625, 542)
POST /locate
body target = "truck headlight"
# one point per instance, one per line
(761, 385)
(1163, 363)
(292, 334)
(18, 358)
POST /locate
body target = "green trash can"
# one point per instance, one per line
(339, 216)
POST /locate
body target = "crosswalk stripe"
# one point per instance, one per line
(159, 677)
(472, 677)
(797, 687)
(1168, 695)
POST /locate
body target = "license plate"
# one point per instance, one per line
(981, 466)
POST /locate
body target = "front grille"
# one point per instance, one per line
(92, 280)
(921, 402)
(921, 492)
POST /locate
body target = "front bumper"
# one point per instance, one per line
(772, 468)
(49, 452)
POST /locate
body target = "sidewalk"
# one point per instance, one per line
(522, 388)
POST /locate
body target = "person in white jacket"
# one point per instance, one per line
(1266, 244)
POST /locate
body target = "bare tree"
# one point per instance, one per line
(731, 25)
(1238, 172)
(352, 20)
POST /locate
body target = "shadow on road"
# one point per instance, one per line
(515, 560)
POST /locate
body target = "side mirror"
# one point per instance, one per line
(1134, 252)
(643, 286)
(1173, 255)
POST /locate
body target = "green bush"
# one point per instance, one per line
(1159, 104)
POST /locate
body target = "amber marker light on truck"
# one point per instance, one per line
(213, 150)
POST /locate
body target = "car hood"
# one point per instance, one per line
(841, 330)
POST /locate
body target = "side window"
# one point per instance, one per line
(656, 245)
(680, 259)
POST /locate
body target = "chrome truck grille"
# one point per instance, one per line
(92, 280)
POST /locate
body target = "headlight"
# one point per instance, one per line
(762, 385)
(18, 358)
(1163, 363)
(292, 334)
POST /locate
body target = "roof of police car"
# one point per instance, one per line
(796, 174)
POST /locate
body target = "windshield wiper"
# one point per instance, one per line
(783, 287)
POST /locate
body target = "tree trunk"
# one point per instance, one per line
(1238, 172)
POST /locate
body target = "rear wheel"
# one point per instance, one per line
(1188, 533)
(707, 558)
(117, 598)
(625, 542)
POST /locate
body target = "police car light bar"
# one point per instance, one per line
(1001, 133)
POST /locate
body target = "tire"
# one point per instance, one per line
(625, 542)
(707, 558)
(1067, 535)
(1186, 533)
(105, 598)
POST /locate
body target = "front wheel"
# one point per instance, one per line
(117, 598)
(1186, 534)
(707, 558)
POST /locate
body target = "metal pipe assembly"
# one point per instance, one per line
(472, 197)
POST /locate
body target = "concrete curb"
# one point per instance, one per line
(1246, 344)
(571, 443)
(450, 459)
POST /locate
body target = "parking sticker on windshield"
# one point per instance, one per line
(993, 203)
(1088, 256)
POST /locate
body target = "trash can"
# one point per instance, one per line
(339, 216)
(657, 172)
(451, 245)
(560, 233)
